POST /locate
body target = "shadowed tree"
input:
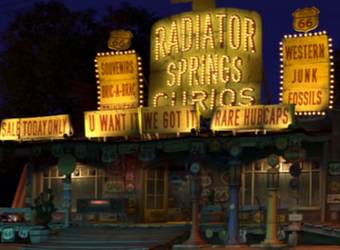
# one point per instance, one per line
(136, 19)
(48, 45)
(44, 47)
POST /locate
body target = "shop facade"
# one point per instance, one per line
(157, 189)
(134, 162)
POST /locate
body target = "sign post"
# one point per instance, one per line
(294, 226)
(67, 164)
(195, 240)
(233, 237)
(273, 173)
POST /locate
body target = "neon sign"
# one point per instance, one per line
(120, 80)
(307, 80)
(211, 58)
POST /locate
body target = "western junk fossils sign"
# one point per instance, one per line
(306, 73)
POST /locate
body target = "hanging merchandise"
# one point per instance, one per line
(147, 152)
(295, 170)
(116, 167)
(294, 184)
(80, 151)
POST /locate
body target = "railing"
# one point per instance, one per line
(6, 211)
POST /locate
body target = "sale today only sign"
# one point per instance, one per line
(36, 128)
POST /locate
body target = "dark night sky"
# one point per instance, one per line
(276, 17)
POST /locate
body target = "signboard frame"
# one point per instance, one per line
(269, 117)
(211, 57)
(36, 128)
(306, 76)
(120, 80)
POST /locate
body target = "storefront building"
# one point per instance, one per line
(133, 163)
(154, 176)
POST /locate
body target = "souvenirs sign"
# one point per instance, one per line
(253, 117)
(306, 73)
(119, 80)
(36, 128)
(210, 57)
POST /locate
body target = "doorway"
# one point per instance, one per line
(155, 193)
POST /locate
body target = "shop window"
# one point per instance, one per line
(86, 182)
(303, 189)
(83, 188)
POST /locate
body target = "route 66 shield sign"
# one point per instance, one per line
(109, 154)
(306, 19)
(119, 39)
(7, 234)
(147, 153)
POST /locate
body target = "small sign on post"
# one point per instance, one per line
(333, 198)
(306, 19)
(7, 234)
(334, 208)
(67, 164)
(295, 217)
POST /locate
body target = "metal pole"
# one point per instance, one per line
(272, 225)
(195, 240)
(233, 237)
(67, 197)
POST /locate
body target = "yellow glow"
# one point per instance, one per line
(208, 57)
(307, 72)
(175, 119)
(186, 40)
(119, 76)
(111, 123)
(247, 97)
(157, 97)
(253, 117)
(36, 128)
